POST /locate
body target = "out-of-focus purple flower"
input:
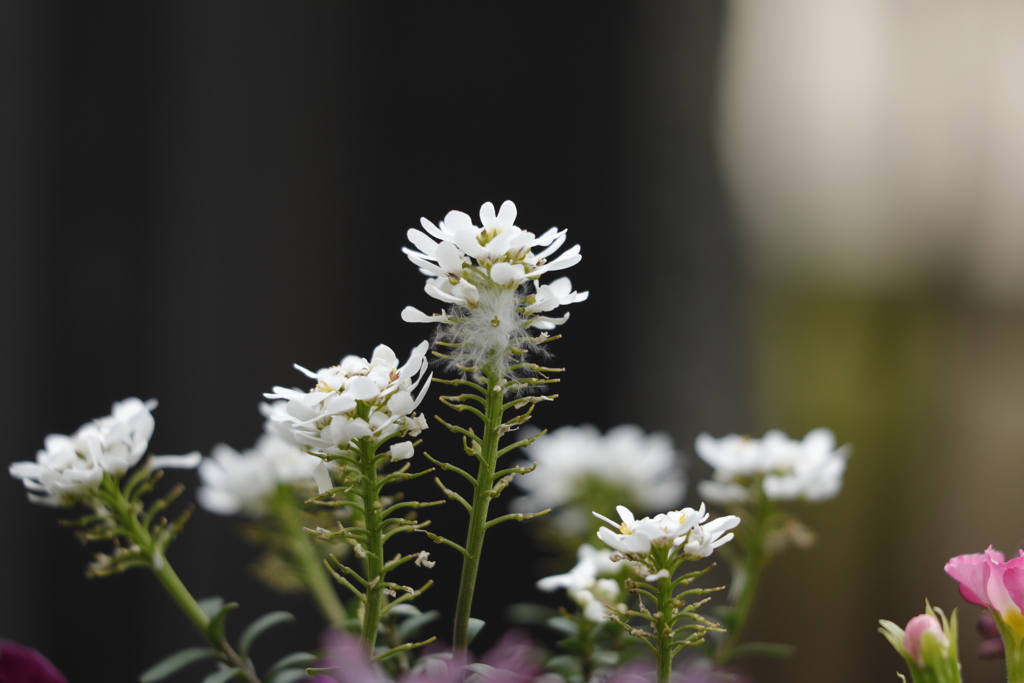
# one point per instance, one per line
(511, 660)
(992, 645)
(690, 670)
(21, 664)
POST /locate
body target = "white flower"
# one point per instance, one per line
(69, 466)
(243, 483)
(704, 538)
(644, 467)
(326, 420)
(583, 585)
(638, 535)
(684, 529)
(811, 469)
(488, 277)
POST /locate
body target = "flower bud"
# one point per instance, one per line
(919, 630)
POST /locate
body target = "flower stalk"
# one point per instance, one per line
(306, 559)
(145, 548)
(487, 459)
(746, 573)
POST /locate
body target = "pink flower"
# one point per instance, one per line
(511, 660)
(915, 632)
(987, 579)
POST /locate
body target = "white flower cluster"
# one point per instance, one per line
(356, 399)
(583, 585)
(811, 469)
(683, 529)
(644, 467)
(68, 467)
(243, 483)
(489, 276)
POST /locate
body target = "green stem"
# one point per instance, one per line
(753, 564)
(306, 558)
(374, 600)
(127, 516)
(586, 630)
(488, 459)
(1014, 648)
(663, 626)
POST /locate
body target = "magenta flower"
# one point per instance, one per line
(21, 664)
(987, 579)
(512, 660)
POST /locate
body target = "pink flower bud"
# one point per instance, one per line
(915, 631)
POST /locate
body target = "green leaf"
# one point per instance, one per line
(216, 628)
(256, 629)
(563, 625)
(776, 650)
(211, 605)
(289, 676)
(294, 659)
(176, 662)
(223, 675)
(409, 627)
(474, 628)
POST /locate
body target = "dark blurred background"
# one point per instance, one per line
(792, 215)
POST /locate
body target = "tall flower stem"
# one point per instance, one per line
(663, 627)
(748, 575)
(370, 491)
(482, 496)
(130, 526)
(304, 554)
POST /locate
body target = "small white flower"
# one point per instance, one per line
(582, 584)
(423, 560)
(488, 279)
(644, 467)
(325, 420)
(703, 539)
(811, 469)
(69, 466)
(234, 483)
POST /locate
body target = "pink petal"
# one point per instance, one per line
(972, 571)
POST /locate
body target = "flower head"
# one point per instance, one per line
(583, 582)
(989, 580)
(242, 483)
(356, 399)
(488, 278)
(68, 467)
(683, 529)
(811, 469)
(640, 468)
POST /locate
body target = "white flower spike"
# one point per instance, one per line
(488, 279)
(326, 419)
(681, 529)
(68, 467)
(643, 467)
(811, 469)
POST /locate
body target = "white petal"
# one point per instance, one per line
(411, 314)
(181, 462)
(507, 213)
(322, 477)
